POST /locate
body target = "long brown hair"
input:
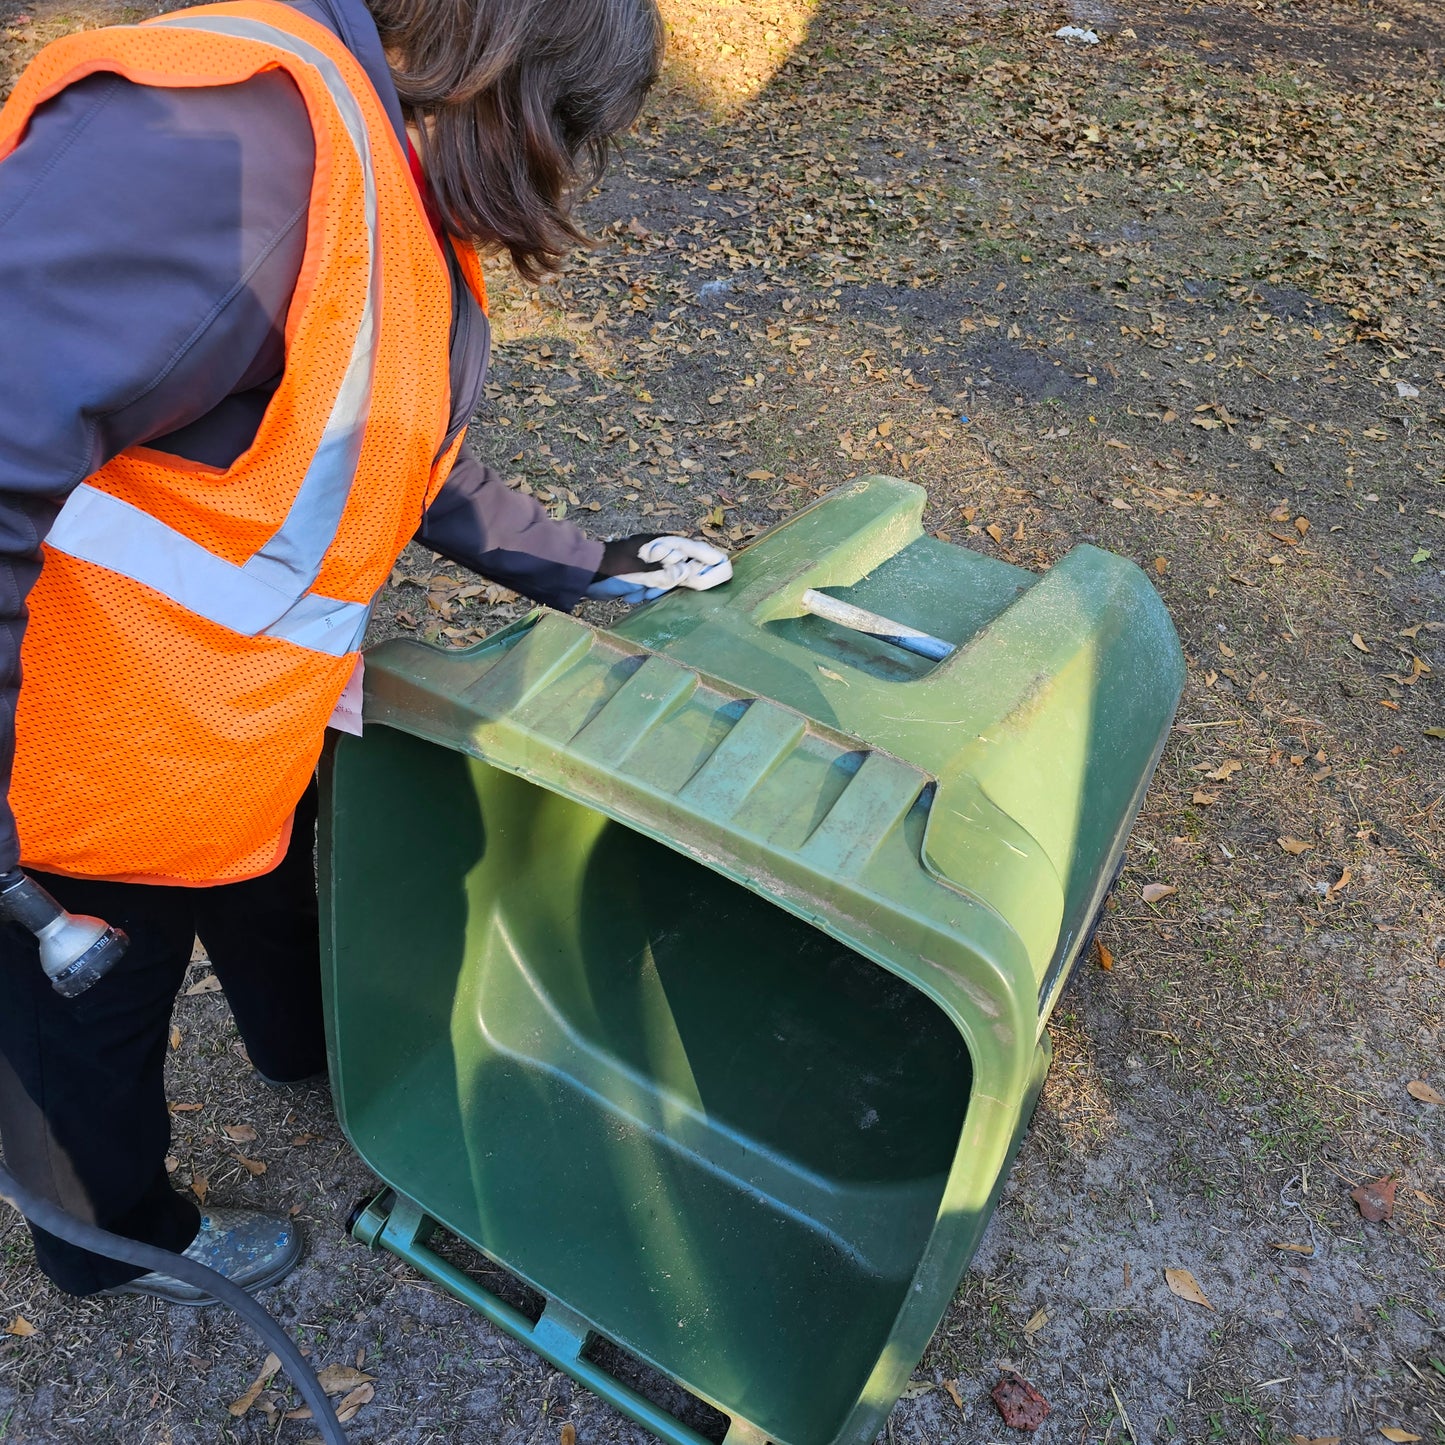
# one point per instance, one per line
(517, 103)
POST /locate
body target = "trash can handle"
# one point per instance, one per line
(859, 619)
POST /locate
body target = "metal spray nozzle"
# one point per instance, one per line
(76, 951)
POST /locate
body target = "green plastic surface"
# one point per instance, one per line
(696, 971)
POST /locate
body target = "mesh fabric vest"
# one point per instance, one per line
(192, 628)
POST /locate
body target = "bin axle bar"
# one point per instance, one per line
(858, 619)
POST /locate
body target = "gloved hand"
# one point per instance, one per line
(637, 569)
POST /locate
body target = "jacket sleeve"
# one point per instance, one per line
(482, 523)
(149, 245)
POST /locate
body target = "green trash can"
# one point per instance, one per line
(696, 971)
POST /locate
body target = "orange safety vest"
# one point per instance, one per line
(192, 629)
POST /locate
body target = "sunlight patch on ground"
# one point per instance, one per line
(725, 51)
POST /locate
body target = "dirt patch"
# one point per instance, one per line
(875, 265)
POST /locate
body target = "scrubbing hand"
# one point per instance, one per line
(637, 569)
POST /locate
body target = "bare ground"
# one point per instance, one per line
(1177, 294)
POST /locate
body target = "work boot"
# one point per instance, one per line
(251, 1248)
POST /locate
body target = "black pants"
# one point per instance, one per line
(83, 1113)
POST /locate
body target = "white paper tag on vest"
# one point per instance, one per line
(346, 716)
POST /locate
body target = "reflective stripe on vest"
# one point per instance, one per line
(268, 595)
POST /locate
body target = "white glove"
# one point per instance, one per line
(667, 562)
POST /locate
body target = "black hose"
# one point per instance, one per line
(54, 1220)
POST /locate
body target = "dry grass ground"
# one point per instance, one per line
(1177, 294)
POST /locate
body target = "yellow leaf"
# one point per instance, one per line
(1161, 565)
(176, 1037)
(885, 428)
(348, 1406)
(20, 1326)
(1419, 1089)
(1106, 959)
(1182, 1283)
(1301, 525)
(337, 1379)
(239, 1407)
(1294, 846)
(996, 532)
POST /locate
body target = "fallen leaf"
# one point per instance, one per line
(1419, 1089)
(1376, 1201)
(209, 984)
(200, 1186)
(239, 1407)
(1106, 959)
(1422, 554)
(176, 1037)
(1225, 770)
(1161, 565)
(1182, 1283)
(1315, 1439)
(1153, 892)
(835, 676)
(1039, 1319)
(1359, 642)
(1342, 882)
(1021, 1406)
(185, 1108)
(1294, 846)
(1435, 732)
(20, 1327)
(254, 1166)
(953, 1394)
(348, 1406)
(172, 1163)
(336, 1379)
(996, 532)
(1399, 1436)
(1293, 1248)
(1204, 799)
(568, 1434)
(240, 1133)
(1301, 525)
(917, 1389)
